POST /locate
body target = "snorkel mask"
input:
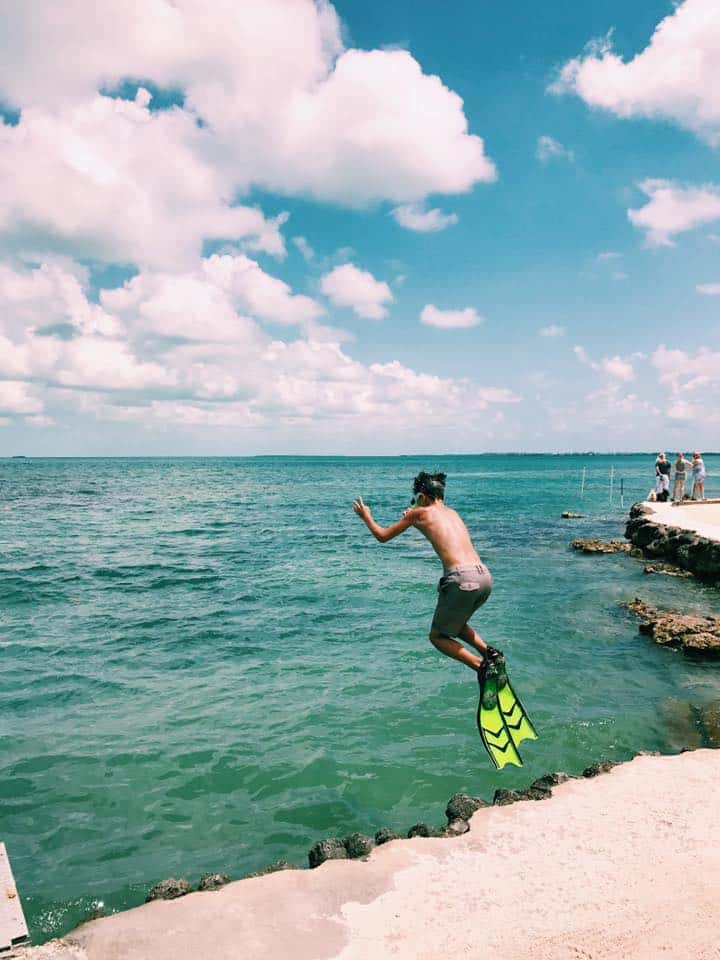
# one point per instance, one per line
(430, 484)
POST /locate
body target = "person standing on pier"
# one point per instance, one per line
(698, 477)
(681, 465)
(662, 474)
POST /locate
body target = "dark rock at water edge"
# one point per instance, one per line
(385, 835)
(420, 830)
(358, 845)
(682, 548)
(503, 797)
(603, 766)
(569, 515)
(601, 546)
(461, 806)
(213, 881)
(455, 828)
(331, 849)
(540, 789)
(169, 889)
(692, 632)
(551, 780)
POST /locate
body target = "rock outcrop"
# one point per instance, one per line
(601, 546)
(169, 889)
(668, 569)
(682, 548)
(696, 632)
(213, 881)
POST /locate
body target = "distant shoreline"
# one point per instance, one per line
(335, 456)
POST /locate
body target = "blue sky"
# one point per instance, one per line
(211, 262)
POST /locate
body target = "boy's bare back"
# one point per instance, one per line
(446, 531)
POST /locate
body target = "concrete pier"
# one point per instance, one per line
(623, 865)
(13, 930)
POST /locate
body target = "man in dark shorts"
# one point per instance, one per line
(466, 582)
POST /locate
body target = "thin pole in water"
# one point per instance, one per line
(582, 484)
(612, 476)
(622, 493)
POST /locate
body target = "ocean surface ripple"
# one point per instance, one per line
(208, 664)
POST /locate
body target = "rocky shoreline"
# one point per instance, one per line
(692, 632)
(682, 548)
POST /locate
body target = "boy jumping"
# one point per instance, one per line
(466, 582)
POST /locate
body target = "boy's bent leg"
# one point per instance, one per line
(453, 649)
(473, 638)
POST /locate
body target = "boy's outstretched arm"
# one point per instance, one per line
(383, 534)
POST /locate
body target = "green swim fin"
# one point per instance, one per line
(518, 723)
(490, 720)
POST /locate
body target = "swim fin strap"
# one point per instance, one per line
(490, 720)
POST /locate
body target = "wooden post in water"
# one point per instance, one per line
(622, 493)
(582, 484)
(13, 929)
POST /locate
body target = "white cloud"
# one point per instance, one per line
(611, 406)
(258, 293)
(414, 216)
(283, 106)
(614, 367)
(16, 398)
(552, 331)
(110, 180)
(686, 372)
(176, 348)
(710, 289)
(348, 286)
(609, 255)
(617, 368)
(550, 149)
(685, 410)
(432, 316)
(673, 208)
(676, 76)
(306, 251)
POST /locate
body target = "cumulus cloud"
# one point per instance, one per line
(709, 289)
(183, 348)
(674, 208)
(614, 367)
(348, 286)
(432, 316)
(111, 180)
(686, 372)
(267, 97)
(415, 216)
(676, 77)
(553, 330)
(550, 149)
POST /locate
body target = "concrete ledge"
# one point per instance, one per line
(626, 864)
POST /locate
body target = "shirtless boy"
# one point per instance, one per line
(466, 582)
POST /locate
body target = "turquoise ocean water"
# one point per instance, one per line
(208, 664)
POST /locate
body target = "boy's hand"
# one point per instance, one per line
(361, 509)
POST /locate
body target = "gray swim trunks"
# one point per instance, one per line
(461, 591)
